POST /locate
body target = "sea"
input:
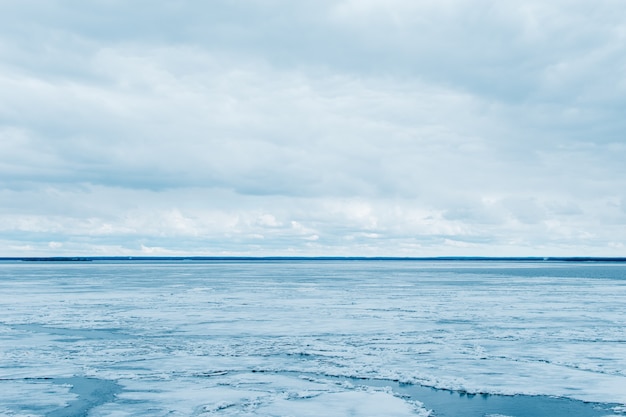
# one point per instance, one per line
(312, 337)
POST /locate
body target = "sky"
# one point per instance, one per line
(313, 128)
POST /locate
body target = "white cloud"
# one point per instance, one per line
(369, 127)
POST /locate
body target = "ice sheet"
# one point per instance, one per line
(162, 329)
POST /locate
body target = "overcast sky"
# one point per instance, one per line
(313, 127)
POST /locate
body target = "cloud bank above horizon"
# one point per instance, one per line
(364, 128)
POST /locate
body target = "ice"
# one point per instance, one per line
(354, 403)
(265, 338)
(32, 397)
(258, 394)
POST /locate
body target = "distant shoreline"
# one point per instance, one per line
(312, 258)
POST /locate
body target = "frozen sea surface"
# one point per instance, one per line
(312, 338)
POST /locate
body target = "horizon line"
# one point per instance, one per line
(314, 258)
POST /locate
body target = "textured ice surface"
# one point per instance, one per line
(183, 338)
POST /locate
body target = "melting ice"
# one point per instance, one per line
(331, 338)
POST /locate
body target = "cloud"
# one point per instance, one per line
(209, 129)
(351, 127)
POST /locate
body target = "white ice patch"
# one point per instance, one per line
(32, 397)
(339, 404)
(344, 404)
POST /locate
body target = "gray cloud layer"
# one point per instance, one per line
(330, 127)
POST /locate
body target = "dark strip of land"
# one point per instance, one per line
(311, 258)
